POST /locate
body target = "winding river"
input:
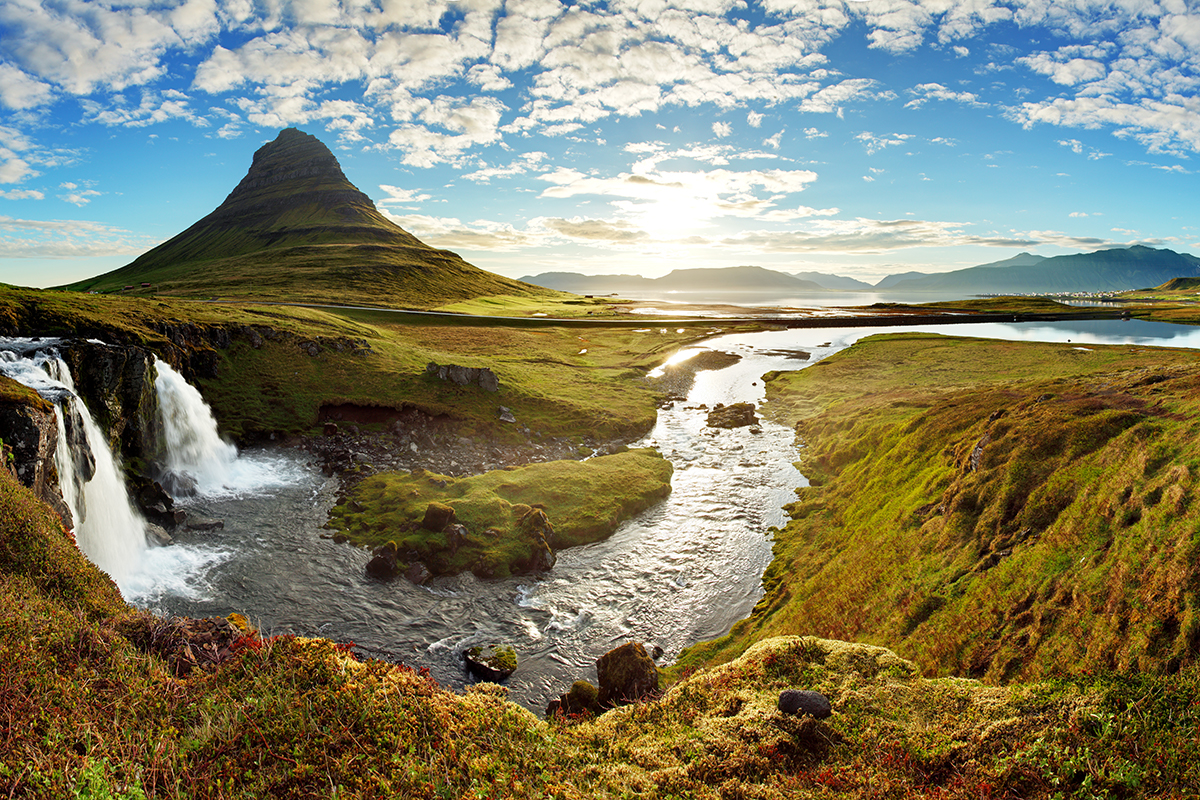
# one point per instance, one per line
(681, 572)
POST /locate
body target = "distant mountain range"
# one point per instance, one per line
(726, 279)
(296, 229)
(1112, 270)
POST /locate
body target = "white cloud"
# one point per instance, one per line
(1069, 72)
(22, 194)
(1171, 126)
(526, 163)
(722, 129)
(773, 141)
(20, 91)
(936, 91)
(874, 143)
(26, 238)
(754, 119)
(397, 195)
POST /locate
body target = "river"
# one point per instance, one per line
(681, 572)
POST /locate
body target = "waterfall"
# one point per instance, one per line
(108, 529)
(198, 461)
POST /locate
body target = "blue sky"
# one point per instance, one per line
(855, 137)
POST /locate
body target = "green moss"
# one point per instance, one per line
(507, 513)
(981, 509)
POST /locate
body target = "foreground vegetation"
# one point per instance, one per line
(1009, 511)
(505, 512)
(96, 701)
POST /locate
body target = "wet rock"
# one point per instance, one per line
(438, 516)
(30, 431)
(383, 563)
(157, 535)
(583, 698)
(492, 663)
(627, 675)
(805, 702)
(456, 536)
(418, 573)
(736, 415)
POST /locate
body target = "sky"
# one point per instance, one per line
(854, 137)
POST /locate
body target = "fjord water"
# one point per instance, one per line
(681, 572)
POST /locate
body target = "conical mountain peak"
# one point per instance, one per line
(295, 228)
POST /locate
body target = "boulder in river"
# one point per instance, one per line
(735, 415)
(583, 698)
(383, 563)
(492, 663)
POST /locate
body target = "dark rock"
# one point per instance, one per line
(492, 663)
(456, 536)
(157, 535)
(804, 701)
(482, 377)
(117, 383)
(737, 415)
(30, 430)
(626, 674)
(418, 573)
(330, 429)
(583, 698)
(383, 563)
(437, 517)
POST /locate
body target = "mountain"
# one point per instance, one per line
(834, 283)
(295, 228)
(720, 279)
(1113, 270)
(891, 280)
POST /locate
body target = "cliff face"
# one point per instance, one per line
(117, 383)
(29, 430)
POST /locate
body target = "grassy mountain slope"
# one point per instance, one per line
(1002, 510)
(294, 229)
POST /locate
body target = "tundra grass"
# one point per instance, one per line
(88, 708)
(1002, 510)
(558, 381)
(584, 500)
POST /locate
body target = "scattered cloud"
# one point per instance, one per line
(721, 129)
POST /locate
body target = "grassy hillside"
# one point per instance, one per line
(264, 377)
(996, 509)
(100, 701)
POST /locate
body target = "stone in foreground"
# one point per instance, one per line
(805, 702)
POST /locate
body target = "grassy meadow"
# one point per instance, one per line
(1002, 510)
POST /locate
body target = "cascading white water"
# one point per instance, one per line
(108, 529)
(198, 461)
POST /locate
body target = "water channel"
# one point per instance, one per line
(681, 572)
